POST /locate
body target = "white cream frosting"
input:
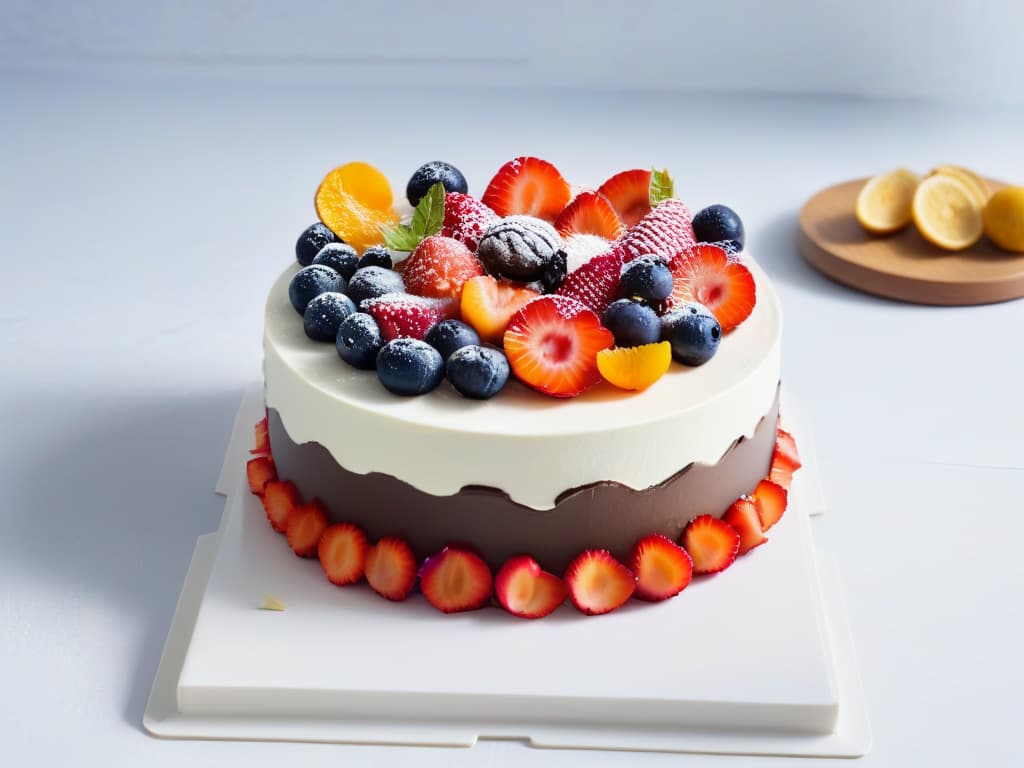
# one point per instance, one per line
(531, 446)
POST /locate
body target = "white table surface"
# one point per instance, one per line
(143, 222)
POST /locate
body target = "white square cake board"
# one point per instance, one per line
(755, 660)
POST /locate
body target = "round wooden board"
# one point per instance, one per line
(903, 266)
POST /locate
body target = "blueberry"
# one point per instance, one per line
(409, 367)
(693, 332)
(371, 282)
(324, 314)
(309, 282)
(478, 372)
(631, 323)
(450, 335)
(519, 247)
(359, 340)
(646, 277)
(312, 239)
(376, 256)
(719, 222)
(429, 174)
(340, 257)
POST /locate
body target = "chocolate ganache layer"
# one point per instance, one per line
(603, 515)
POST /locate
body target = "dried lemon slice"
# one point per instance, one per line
(883, 205)
(354, 201)
(974, 182)
(1004, 219)
(946, 213)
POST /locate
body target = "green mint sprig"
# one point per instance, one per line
(426, 221)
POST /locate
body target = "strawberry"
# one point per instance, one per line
(401, 315)
(262, 438)
(596, 283)
(306, 524)
(769, 500)
(589, 214)
(707, 275)
(488, 305)
(712, 544)
(552, 345)
(391, 568)
(579, 249)
(629, 192)
(456, 579)
(598, 583)
(529, 186)
(259, 472)
(342, 552)
(524, 590)
(743, 516)
(465, 219)
(785, 460)
(438, 268)
(280, 498)
(665, 231)
(662, 568)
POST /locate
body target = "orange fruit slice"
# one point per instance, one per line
(974, 182)
(883, 205)
(635, 367)
(354, 201)
(1004, 219)
(947, 213)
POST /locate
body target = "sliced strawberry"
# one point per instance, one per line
(439, 267)
(280, 498)
(579, 249)
(456, 579)
(707, 275)
(259, 472)
(742, 516)
(596, 283)
(552, 345)
(665, 231)
(629, 192)
(401, 315)
(342, 552)
(712, 544)
(391, 568)
(524, 590)
(589, 214)
(465, 219)
(662, 568)
(598, 583)
(785, 444)
(306, 524)
(529, 186)
(770, 500)
(262, 438)
(785, 460)
(488, 305)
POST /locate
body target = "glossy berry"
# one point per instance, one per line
(309, 282)
(376, 256)
(359, 340)
(450, 335)
(719, 222)
(431, 173)
(648, 278)
(325, 313)
(313, 238)
(631, 323)
(340, 257)
(519, 247)
(371, 282)
(478, 372)
(409, 367)
(693, 332)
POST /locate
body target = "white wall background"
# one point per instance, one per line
(935, 50)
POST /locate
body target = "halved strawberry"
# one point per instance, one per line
(488, 305)
(391, 568)
(662, 568)
(259, 472)
(280, 498)
(785, 460)
(439, 267)
(629, 192)
(665, 231)
(262, 438)
(596, 283)
(529, 186)
(306, 524)
(742, 516)
(465, 219)
(456, 579)
(401, 315)
(342, 552)
(707, 275)
(770, 500)
(552, 345)
(598, 583)
(712, 544)
(589, 214)
(524, 590)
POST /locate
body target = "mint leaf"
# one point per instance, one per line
(400, 238)
(427, 220)
(662, 186)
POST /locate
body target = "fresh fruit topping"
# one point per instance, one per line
(435, 172)
(466, 219)
(719, 223)
(555, 271)
(259, 472)
(646, 277)
(711, 543)
(884, 203)
(439, 267)
(946, 213)
(743, 517)
(450, 335)
(342, 552)
(359, 340)
(271, 603)
(488, 305)
(529, 186)
(596, 283)
(663, 569)
(786, 445)
(376, 256)
(340, 257)
(589, 213)
(456, 579)
(426, 221)
(664, 232)
(309, 282)
(372, 282)
(1004, 219)
(524, 590)
(391, 568)
(629, 193)
(311, 241)
(409, 367)
(262, 437)
(477, 372)
(635, 368)
(693, 332)
(306, 524)
(631, 323)
(518, 247)
(705, 274)
(354, 200)
(598, 583)
(325, 313)
(552, 345)
(663, 187)
(403, 316)
(785, 460)
(579, 249)
(977, 185)
(769, 500)
(280, 498)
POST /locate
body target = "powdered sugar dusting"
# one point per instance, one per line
(466, 219)
(664, 232)
(579, 249)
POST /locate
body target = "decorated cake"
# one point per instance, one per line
(539, 395)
